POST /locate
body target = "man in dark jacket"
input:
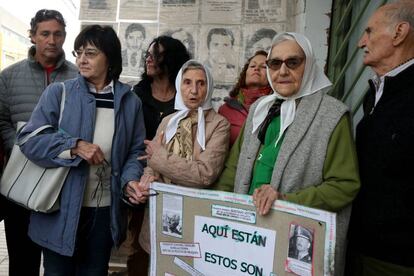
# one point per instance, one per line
(380, 242)
(21, 85)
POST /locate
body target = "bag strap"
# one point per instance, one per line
(40, 129)
(62, 102)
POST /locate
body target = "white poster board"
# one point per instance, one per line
(206, 232)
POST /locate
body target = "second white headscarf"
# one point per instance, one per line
(182, 109)
(313, 80)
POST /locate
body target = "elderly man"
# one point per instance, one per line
(300, 245)
(21, 85)
(380, 239)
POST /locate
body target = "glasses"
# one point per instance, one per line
(89, 53)
(291, 63)
(100, 186)
(153, 56)
(125, 199)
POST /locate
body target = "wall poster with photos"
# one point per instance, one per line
(221, 33)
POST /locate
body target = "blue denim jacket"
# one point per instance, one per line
(57, 231)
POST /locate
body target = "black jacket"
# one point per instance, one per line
(154, 110)
(384, 209)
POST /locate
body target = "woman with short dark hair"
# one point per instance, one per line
(99, 137)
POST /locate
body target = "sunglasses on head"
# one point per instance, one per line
(50, 14)
(291, 63)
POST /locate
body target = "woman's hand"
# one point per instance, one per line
(137, 192)
(90, 152)
(264, 197)
(152, 146)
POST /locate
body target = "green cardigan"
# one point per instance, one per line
(313, 196)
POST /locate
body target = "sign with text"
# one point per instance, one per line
(206, 232)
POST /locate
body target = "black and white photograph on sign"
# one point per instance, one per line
(172, 214)
(184, 36)
(138, 9)
(300, 251)
(220, 52)
(220, 92)
(172, 224)
(132, 36)
(221, 12)
(104, 10)
(266, 10)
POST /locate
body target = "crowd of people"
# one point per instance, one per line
(278, 136)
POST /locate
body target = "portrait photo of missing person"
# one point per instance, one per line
(267, 8)
(184, 36)
(221, 55)
(172, 224)
(260, 40)
(133, 49)
(301, 244)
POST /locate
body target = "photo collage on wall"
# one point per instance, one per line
(222, 34)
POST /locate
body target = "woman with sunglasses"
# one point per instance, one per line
(252, 84)
(296, 144)
(100, 136)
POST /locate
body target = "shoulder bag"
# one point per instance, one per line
(29, 185)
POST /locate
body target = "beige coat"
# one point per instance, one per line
(201, 172)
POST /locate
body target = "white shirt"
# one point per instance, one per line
(379, 81)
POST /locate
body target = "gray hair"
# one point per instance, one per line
(402, 10)
(193, 65)
(282, 38)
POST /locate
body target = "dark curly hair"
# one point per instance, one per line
(175, 54)
(241, 82)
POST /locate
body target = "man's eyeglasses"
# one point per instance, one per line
(291, 63)
(89, 53)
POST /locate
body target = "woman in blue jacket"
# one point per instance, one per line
(99, 137)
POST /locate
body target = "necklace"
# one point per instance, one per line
(164, 97)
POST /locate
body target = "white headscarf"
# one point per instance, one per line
(183, 110)
(313, 80)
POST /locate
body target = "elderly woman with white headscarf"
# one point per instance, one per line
(297, 143)
(191, 145)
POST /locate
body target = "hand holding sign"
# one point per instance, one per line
(264, 197)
